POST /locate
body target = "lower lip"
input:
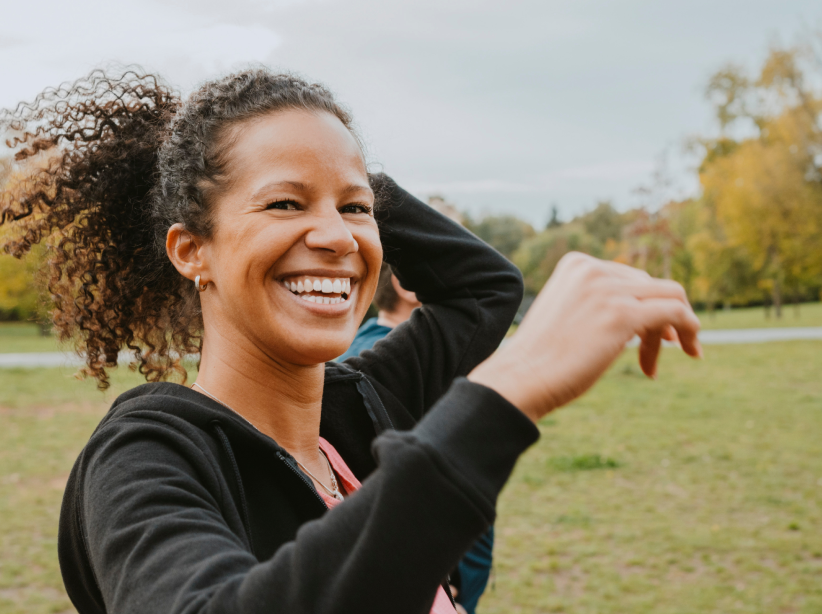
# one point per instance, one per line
(321, 308)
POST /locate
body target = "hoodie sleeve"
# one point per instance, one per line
(153, 519)
(469, 294)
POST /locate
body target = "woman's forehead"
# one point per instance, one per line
(297, 149)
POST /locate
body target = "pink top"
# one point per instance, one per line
(349, 483)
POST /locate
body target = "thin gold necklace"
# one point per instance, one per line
(334, 491)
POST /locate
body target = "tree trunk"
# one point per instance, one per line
(667, 273)
(777, 298)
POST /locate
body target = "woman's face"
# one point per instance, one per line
(295, 255)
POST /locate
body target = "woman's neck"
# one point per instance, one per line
(282, 401)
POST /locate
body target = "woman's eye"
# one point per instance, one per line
(284, 205)
(356, 208)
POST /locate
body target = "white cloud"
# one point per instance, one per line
(544, 100)
(470, 187)
(608, 171)
(73, 37)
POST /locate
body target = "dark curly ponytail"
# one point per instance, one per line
(109, 164)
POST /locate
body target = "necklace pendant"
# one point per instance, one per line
(337, 495)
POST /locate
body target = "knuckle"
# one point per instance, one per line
(570, 260)
(615, 313)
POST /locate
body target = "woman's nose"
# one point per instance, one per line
(329, 232)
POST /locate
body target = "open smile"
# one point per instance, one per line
(332, 293)
(322, 290)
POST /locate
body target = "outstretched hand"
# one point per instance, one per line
(576, 327)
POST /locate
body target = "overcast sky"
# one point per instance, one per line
(499, 106)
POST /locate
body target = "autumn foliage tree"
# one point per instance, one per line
(764, 191)
(23, 292)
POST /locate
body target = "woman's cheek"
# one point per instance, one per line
(368, 239)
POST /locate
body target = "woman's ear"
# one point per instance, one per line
(406, 295)
(185, 250)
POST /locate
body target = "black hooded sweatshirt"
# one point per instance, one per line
(177, 505)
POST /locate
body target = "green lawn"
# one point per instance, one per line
(807, 314)
(698, 492)
(715, 503)
(24, 337)
(46, 416)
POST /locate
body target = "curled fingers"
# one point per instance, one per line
(654, 315)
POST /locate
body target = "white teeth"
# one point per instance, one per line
(322, 300)
(326, 286)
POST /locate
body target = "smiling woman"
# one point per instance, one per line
(242, 223)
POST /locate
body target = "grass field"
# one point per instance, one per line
(23, 337)
(807, 314)
(715, 503)
(698, 492)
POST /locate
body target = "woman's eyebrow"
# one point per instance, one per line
(356, 188)
(294, 185)
(298, 186)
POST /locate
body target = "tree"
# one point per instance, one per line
(538, 256)
(23, 295)
(604, 222)
(722, 273)
(766, 190)
(554, 221)
(650, 244)
(503, 232)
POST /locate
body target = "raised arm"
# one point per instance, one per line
(167, 538)
(469, 293)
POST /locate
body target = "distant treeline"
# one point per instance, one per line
(753, 236)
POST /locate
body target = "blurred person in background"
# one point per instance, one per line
(395, 305)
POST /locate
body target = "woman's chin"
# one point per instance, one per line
(322, 351)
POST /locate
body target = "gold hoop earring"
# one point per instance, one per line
(198, 286)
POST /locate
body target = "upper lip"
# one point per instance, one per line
(331, 273)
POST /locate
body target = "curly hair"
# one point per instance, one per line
(110, 164)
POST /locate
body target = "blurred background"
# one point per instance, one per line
(683, 138)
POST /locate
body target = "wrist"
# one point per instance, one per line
(511, 379)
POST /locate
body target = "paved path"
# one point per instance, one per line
(752, 335)
(707, 337)
(43, 359)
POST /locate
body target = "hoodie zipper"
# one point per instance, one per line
(302, 476)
